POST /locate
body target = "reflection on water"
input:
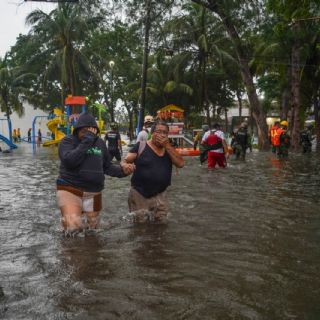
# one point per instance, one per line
(242, 243)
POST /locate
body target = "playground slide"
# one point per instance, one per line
(52, 126)
(8, 142)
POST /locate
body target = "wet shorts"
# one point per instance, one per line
(156, 205)
(88, 201)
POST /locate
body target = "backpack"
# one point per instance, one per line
(285, 139)
(149, 134)
(214, 142)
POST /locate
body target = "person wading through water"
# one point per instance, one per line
(153, 160)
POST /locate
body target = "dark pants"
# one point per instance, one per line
(240, 151)
(282, 151)
(203, 156)
(306, 146)
(115, 154)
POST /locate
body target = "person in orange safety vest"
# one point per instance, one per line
(272, 134)
(282, 140)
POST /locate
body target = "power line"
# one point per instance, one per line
(60, 1)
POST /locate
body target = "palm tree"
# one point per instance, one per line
(165, 83)
(198, 37)
(10, 91)
(61, 35)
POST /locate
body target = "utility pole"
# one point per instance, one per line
(145, 63)
(75, 1)
(111, 64)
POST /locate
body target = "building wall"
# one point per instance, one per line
(25, 122)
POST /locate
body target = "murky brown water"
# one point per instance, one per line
(242, 243)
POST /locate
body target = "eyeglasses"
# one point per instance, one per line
(165, 133)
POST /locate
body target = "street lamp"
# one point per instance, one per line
(111, 65)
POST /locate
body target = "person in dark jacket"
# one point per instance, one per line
(241, 142)
(113, 139)
(306, 139)
(84, 162)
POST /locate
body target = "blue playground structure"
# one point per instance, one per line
(6, 140)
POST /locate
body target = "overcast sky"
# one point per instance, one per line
(12, 20)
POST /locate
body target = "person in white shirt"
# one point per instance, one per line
(218, 149)
(144, 134)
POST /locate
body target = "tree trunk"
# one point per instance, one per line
(285, 97)
(317, 122)
(295, 90)
(257, 111)
(145, 63)
(130, 116)
(111, 108)
(239, 104)
(226, 119)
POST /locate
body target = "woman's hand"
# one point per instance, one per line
(127, 168)
(92, 130)
(162, 140)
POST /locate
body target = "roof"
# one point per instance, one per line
(171, 107)
(71, 100)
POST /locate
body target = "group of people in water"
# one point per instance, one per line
(213, 146)
(16, 136)
(280, 139)
(85, 160)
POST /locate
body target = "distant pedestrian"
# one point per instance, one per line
(202, 148)
(113, 139)
(282, 140)
(306, 139)
(39, 138)
(29, 135)
(19, 135)
(145, 133)
(241, 141)
(15, 135)
(215, 141)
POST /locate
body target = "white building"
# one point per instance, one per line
(25, 122)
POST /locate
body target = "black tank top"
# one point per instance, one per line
(153, 172)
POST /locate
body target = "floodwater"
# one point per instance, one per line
(241, 243)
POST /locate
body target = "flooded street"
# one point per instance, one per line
(241, 243)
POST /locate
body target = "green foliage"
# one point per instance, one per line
(11, 89)
(193, 61)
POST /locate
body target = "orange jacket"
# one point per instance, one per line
(273, 132)
(276, 138)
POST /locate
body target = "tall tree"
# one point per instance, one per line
(10, 91)
(228, 13)
(60, 36)
(295, 20)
